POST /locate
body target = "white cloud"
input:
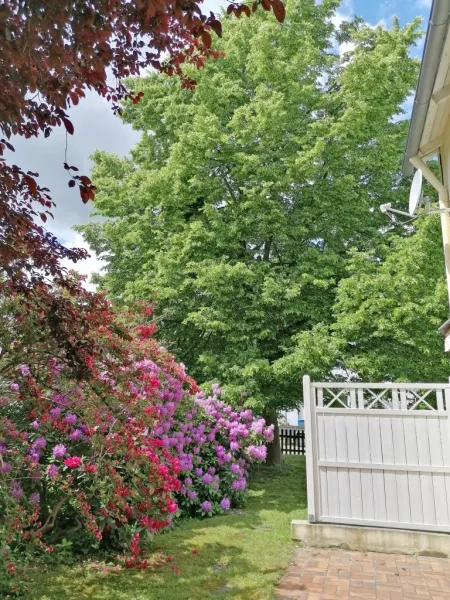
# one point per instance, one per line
(87, 267)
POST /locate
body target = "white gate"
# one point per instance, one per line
(378, 454)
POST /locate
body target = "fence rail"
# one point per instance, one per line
(292, 440)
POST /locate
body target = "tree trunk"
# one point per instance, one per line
(274, 456)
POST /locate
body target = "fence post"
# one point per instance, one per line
(309, 403)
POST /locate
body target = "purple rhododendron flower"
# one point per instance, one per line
(225, 503)
(40, 443)
(55, 412)
(35, 498)
(5, 468)
(75, 435)
(70, 419)
(16, 490)
(188, 481)
(59, 450)
(207, 479)
(52, 471)
(15, 387)
(34, 456)
(206, 506)
(268, 433)
(25, 370)
(239, 484)
(198, 472)
(258, 452)
(35, 424)
(191, 494)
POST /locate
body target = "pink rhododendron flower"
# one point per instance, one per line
(73, 462)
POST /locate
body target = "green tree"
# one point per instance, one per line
(239, 204)
(386, 317)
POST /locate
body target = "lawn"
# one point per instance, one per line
(240, 555)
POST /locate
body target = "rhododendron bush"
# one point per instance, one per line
(104, 432)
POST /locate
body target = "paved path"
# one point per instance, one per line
(340, 575)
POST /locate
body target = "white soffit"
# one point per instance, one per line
(439, 108)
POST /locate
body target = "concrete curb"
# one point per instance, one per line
(371, 539)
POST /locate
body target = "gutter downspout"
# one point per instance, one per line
(434, 42)
(445, 216)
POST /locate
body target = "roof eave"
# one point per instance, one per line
(434, 43)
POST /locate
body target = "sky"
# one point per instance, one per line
(97, 128)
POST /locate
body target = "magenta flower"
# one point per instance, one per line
(73, 462)
(206, 506)
(25, 370)
(207, 479)
(35, 424)
(14, 387)
(198, 472)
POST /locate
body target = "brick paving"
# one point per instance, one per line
(336, 574)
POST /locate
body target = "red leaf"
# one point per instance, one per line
(32, 186)
(206, 37)
(43, 216)
(265, 4)
(68, 125)
(230, 9)
(71, 183)
(254, 6)
(74, 97)
(216, 26)
(246, 9)
(279, 10)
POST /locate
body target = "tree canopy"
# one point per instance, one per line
(240, 203)
(387, 315)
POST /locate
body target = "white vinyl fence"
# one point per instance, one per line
(378, 454)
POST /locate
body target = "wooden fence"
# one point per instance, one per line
(292, 439)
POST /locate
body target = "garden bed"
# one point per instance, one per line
(239, 555)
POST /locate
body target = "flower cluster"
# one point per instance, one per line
(109, 435)
(216, 445)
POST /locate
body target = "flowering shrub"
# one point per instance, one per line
(105, 433)
(215, 445)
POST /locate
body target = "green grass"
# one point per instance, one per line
(240, 555)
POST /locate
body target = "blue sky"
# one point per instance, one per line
(97, 128)
(374, 11)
